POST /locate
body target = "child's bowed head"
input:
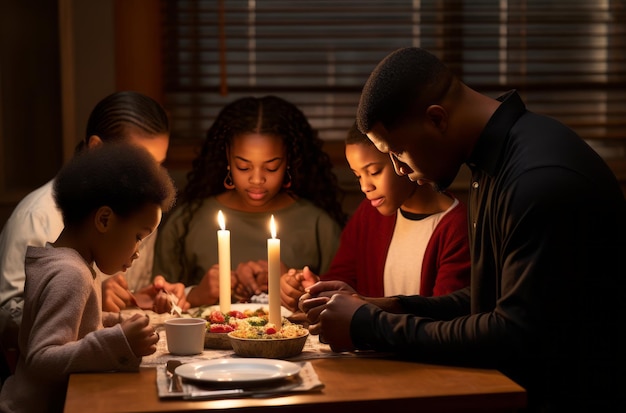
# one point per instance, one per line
(122, 176)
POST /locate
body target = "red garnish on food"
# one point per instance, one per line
(236, 314)
(270, 330)
(216, 317)
(220, 328)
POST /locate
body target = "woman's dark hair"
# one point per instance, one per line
(122, 176)
(309, 166)
(117, 114)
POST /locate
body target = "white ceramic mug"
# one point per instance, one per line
(185, 336)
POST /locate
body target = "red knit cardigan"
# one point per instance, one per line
(360, 260)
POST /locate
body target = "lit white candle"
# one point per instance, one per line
(223, 252)
(273, 264)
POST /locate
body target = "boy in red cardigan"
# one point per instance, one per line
(399, 227)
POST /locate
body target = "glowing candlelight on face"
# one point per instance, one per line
(273, 263)
(223, 251)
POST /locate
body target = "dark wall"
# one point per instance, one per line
(30, 98)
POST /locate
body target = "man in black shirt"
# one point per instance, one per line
(547, 300)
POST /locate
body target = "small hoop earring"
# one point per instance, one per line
(228, 181)
(287, 183)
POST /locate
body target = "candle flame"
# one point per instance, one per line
(273, 227)
(221, 220)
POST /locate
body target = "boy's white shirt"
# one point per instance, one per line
(406, 253)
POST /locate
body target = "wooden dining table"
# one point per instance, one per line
(351, 383)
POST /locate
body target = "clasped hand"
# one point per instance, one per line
(293, 284)
(329, 307)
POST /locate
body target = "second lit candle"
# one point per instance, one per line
(223, 254)
(273, 264)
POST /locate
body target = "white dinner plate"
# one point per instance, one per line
(238, 370)
(247, 306)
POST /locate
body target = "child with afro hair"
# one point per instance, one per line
(111, 198)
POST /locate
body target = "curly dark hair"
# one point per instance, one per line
(309, 166)
(119, 175)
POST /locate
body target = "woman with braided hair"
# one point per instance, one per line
(261, 157)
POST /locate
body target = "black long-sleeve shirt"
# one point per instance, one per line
(547, 300)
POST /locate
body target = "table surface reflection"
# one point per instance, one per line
(351, 385)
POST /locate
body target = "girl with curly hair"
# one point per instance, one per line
(261, 157)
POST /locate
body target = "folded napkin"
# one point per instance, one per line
(305, 380)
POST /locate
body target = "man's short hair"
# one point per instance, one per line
(404, 82)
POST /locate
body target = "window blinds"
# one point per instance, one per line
(567, 58)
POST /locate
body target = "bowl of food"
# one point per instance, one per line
(246, 317)
(219, 324)
(268, 342)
